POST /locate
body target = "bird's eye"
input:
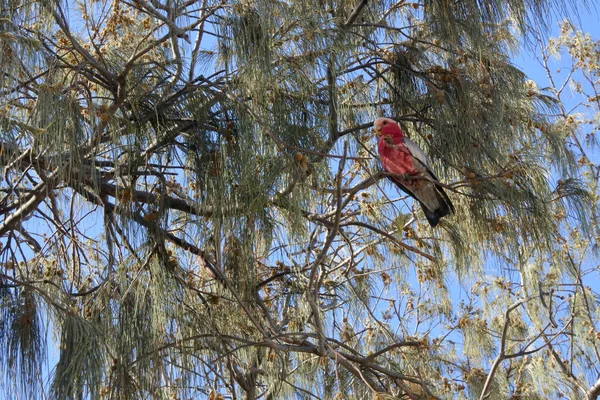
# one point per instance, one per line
(385, 122)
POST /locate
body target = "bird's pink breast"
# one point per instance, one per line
(396, 158)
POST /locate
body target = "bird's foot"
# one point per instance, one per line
(409, 176)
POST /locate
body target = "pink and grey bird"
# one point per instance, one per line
(401, 156)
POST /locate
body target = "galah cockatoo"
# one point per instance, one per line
(402, 157)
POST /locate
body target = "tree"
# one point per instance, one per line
(192, 204)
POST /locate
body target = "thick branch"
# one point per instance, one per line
(594, 391)
(355, 13)
(152, 198)
(30, 205)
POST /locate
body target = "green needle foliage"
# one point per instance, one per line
(192, 205)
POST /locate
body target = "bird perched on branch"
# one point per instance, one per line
(412, 170)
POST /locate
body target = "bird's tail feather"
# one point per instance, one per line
(434, 216)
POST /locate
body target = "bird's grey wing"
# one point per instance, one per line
(417, 153)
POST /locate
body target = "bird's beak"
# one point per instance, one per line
(377, 130)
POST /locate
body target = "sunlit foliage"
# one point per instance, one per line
(192, 207)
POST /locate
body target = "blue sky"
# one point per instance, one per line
(526, 60)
